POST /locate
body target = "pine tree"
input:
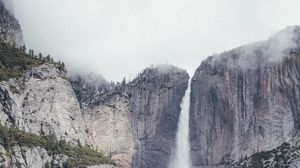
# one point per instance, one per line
(31, 52)
(123, 82)
(48, 58)
(24, 48)
(47, 165)
(40, 56)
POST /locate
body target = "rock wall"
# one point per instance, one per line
(155, 98)
(22, 157)
(110, 129)
(246, 100)
(37, 157)
(136, 123)
(43, 102)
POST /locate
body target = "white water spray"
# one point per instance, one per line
(181, 156)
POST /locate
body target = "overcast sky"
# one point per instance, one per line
(119, 38)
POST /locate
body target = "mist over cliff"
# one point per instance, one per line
(245, 101)
(118, 39)
(242, 111)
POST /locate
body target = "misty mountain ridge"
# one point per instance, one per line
(243, 112)
(272, 50)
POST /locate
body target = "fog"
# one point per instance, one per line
(119, 38)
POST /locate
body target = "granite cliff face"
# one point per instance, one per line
(155, 98)
(10, 29)
(43, 102)
(136, 123)
(246, 100)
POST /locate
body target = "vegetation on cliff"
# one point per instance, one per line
(15, 61)
(283, 156)
(77, 155)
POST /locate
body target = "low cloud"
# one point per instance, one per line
(8, 4)
(252, 55)
(120, 38)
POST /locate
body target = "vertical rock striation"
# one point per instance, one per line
(136, 123)
(155, 98)
(109, 127)
(246, 100)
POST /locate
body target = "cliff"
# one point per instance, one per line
(50, 118)
(41, 120)
(136, 123)
(155, 98)
(246, 100)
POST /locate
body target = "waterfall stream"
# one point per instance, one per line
(181, 156)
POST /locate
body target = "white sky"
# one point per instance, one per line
(119, 38)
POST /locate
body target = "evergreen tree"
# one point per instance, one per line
(24, 48)
(48, 58)
(31, 52)
(47, 165)
(123, 82)
(40, 56)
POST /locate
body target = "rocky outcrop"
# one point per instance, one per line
(246, 100)
(136, 123)
(37, 157)
(43, 102)
(90, 88)
(29, 157)
(110, 129)
(155, 98)
(10, 29)
(286, 155)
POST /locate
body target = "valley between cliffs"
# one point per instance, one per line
(243, 109)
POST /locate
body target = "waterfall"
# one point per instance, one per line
(181, 156)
